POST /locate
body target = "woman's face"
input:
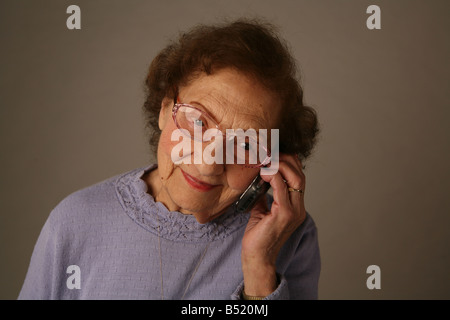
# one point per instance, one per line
(205, 190)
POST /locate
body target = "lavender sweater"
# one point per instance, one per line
(110, 231)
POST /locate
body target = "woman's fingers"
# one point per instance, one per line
(295, 164)
(289, 174)
(267, 231)
(295, 178)
(280, 196)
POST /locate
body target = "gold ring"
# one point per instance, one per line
(297, 190)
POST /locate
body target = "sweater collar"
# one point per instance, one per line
(142, 208)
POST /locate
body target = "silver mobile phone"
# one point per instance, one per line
(252, 194)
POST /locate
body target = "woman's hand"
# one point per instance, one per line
(267, 231)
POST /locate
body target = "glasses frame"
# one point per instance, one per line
(177, 105)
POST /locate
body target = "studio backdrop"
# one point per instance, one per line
(377, 73)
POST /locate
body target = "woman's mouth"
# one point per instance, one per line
(197, 184)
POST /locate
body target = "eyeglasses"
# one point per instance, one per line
(200, 126)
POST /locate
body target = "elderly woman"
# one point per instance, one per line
(171, 230)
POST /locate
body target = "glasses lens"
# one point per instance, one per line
(247, 149)
(193, 120)
(242, 147)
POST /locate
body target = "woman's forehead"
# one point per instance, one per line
(233, 100)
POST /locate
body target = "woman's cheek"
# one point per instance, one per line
(240, 177)
(165, 146)
(165, 143)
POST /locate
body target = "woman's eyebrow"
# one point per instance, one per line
(204, 109)
(255, 119)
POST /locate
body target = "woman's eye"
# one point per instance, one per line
(245, 145)
(198, 123)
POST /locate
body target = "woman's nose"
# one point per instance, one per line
(210, 169)
(208, 157)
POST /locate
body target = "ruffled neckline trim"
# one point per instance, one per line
(141, 207)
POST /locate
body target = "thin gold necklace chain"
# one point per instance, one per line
(160, 263)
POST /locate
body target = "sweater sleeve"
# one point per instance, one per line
(41, 278)
(281, 293)
(303, 271)
(299, 281)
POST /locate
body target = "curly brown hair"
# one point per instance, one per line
(253, 48)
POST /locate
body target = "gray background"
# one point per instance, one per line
(377, 185)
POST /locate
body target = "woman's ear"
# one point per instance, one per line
(164, 113)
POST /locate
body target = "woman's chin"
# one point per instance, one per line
(203, 215)
(202, 218)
